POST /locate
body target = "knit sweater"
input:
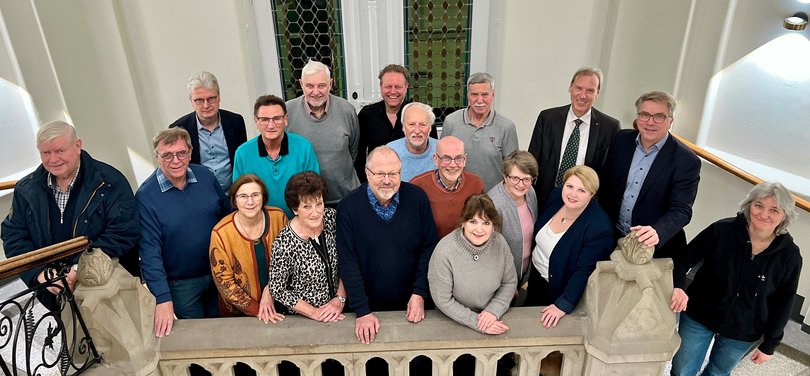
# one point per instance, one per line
(176, 227)
(414, 164)
(462, 286)
(383, 263)
(511, 229)
(447, 205)
(334, 137)
(233, 263)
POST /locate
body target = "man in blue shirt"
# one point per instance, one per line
(651, 181)
(215, 133)
(178, 206)
(274, 155)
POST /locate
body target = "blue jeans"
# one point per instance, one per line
(194, 298)
(695, 341)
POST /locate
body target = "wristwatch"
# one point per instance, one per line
(341, 299)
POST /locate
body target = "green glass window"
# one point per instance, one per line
(437, 52)
(309, 29)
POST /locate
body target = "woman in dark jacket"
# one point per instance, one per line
(571, 235)
(744, 290)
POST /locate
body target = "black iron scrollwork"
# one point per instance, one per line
(33, 342)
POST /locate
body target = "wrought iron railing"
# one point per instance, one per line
(50, 340)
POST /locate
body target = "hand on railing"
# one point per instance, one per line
(416, 309)
(70, 279)
(267, 310)
(366, 328)
(164, 318)
(551, 316)
(488, 323)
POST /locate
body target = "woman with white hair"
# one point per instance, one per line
(745, 288)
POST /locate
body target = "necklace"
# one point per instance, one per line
(565, 219)
(256, 239)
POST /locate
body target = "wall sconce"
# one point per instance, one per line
(797, 22)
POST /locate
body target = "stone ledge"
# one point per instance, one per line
(246, 336)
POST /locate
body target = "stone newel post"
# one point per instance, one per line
(118, 312)
(630, 328)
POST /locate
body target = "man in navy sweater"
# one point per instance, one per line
(385, 238)
(178, 206)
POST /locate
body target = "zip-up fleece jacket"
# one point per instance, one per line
(741, 296)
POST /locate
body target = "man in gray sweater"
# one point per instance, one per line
(330, 124)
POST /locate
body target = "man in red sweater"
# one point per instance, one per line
(448, 186)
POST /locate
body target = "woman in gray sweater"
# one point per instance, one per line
(471, 273)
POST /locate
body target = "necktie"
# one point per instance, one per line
(569, 157)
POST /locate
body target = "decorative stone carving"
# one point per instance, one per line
(631, 327)
(118, 312)
(95, 267)
(635, 251)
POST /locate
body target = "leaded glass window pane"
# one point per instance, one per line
(437, 40)
(309, 29)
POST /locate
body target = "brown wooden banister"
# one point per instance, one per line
(30, 260)
(736, 171)
(7, 185)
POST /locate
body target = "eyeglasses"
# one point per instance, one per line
(181, 155)
(658, 118)
(445, 160)
(201, 101)
(383, 175)
(266, 120)
(515, 180)
(243, 198)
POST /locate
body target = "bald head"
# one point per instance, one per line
(450, 145)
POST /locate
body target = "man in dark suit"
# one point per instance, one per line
(651, 179)
(215, 133)
(554, 127)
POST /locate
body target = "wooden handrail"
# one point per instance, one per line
(734, 170)
(30, 260)
(7, 185)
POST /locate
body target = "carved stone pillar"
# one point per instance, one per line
(630, 328)
(118, 312)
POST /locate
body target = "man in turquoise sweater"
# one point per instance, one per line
(274, 155)
(178, 206)
(385, 237)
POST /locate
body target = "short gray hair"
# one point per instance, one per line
(170, 136)
(202, 79)
(313, 67)
(589, 71)
(428, 110)
(381, 149)
(660, 97)
(54, 129)
(481, 78)
(784, 199)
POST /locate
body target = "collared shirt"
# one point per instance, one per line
(311, 114)
(214, 153)
(166, 185)
(384, 212)
(584, 131)
(62, 197)
(639, 167)
(455, 186)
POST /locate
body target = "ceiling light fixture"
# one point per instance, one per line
(797, 22)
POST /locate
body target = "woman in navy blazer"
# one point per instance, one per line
(571, 235)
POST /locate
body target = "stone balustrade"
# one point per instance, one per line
(623, 326)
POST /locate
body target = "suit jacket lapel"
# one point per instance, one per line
(593, 136)
(557, 132)
(194, 135)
